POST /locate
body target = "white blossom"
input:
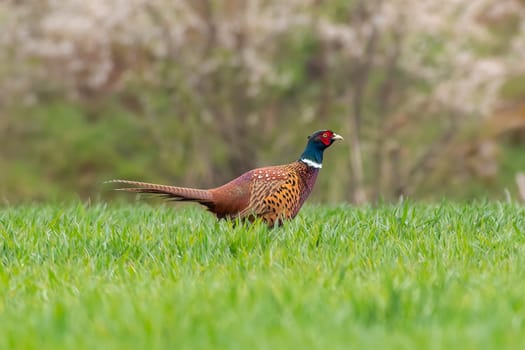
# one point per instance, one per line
(97, 43)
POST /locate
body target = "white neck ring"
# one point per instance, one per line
(311, 163)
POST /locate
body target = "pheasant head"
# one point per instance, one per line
(317, 143)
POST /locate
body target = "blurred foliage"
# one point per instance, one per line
(194, 93)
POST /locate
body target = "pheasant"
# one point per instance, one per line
(273, 194)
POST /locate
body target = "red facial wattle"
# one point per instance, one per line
(326, 138)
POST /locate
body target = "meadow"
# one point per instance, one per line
(135, 276)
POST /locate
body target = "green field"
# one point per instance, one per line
(122, 276)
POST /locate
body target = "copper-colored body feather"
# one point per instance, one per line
(273, 194)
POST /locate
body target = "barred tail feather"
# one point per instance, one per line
(170, 192)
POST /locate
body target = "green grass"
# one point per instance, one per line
(139, 277)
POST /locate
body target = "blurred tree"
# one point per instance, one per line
(408, 63)
(209, 81)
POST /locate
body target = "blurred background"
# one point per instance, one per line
(429, 95)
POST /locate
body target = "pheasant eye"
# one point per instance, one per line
(325, 135)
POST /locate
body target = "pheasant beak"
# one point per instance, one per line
(336, 137)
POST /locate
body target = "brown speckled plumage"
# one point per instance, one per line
(273, 194)
(277, 193)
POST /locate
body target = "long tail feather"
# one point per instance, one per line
(170, 192)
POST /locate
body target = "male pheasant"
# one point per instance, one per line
(273, 194)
